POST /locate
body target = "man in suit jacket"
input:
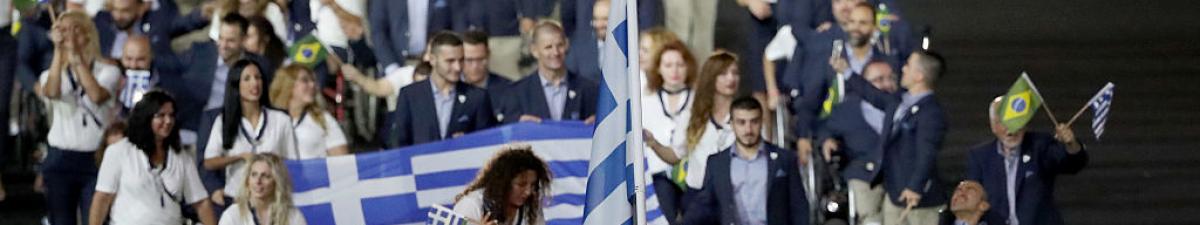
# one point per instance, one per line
(913, 130)
(809, 88)
(457, 108)
(475, 70)
(124, 18)
(855, 126)
(752, 182)
(584, 57)
(1019, 169)
(399, 36)
(505, 21)
(551, 93)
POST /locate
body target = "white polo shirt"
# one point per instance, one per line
(717, 136)
(662, 122)
(234, 216)
(145, 194)
(471, 207)
(272, 135)
(314, 141)
(78, 123)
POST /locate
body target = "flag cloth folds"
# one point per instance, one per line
(401, 186)
(1020, 104)
(1100, 105)
(308, 51)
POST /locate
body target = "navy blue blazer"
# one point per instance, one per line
(34, 52)
(527, 97)
(417, 119)
(160, 26)
(501, 17)
(584, 57)
(859, 142)
(577, 16)
(497, 89)
(786, 201)
(201, 63)
(808, 83)
(1042, 159)
(390, 31)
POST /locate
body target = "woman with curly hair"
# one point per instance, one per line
(511, 188)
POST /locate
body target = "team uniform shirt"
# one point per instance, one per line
(471, 207)
(312, 140)
(78, 123)
(717, 136)
(273, 134)
(145, 194)
(661, 120)
(234, 216)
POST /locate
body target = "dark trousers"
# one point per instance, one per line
(70, 179)
(8, 71)
(668, 197)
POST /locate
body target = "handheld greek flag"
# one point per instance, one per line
(1020, 104)
(440, 215)
(615, 173)
(1100, 105)
(308, 51)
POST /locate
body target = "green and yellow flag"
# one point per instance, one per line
(834, 96)
(308, 51)
(1020, 104)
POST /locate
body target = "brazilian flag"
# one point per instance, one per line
(1020, 104)
(835, 95)
(308, 51)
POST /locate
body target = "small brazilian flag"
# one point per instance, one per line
(307, 51)
(1020, 104)
(835, 95)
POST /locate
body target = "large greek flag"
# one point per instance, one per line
(400, 186)
(614, 171)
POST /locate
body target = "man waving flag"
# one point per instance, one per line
(1020, 104)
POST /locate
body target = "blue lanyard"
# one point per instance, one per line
(79, 101)
(257, 138)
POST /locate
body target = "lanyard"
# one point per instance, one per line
(80, 100)
(258, 137)
(662, 101)
(162, 185)
(253, 215)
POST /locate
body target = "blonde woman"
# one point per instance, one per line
(317, 132)
(268, 199)
(79, 87)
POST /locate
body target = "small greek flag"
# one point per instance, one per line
(440, 215)
(1100, 105)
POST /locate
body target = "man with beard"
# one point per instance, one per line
(124, 18)
(752, 182)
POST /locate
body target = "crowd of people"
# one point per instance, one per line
(205, 130)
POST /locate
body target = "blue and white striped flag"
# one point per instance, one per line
(401, 186)
(1100, 105)
(614, 171)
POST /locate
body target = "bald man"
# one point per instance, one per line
(551, 92)
(968, 204)
(1020, 168)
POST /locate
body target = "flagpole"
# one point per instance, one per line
(1039, 94)
(635, 106)
(1089, 102)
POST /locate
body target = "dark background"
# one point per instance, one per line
(1144, 171)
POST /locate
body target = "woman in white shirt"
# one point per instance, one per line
(145, 177)
(79, 88)
(317, 132)
(668, 96)
(652, 41)
(244, 128)
(268, 196)
(510, 189)
(707, 129)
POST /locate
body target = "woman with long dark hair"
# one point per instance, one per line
(146, 176)
(510, 189)
(707, 129)
(244, 128)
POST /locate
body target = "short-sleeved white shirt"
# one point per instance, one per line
(145, 194)
(715, 139)
(234, 216)
(273, 134)
(662, 122)
(471, 207)
(78, 123)
(312, 140)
